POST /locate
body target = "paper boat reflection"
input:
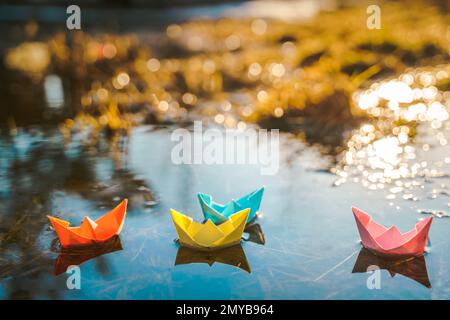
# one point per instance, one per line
(234, 256)
(254, 233)
(91, 232)
(77, 256)
(219, 213)
(390, 241)
(414, 268)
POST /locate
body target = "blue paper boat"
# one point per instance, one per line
(219, 213)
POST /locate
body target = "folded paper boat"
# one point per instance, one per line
(208, 236)
(384, 241)
(219, 213)
(91, 232)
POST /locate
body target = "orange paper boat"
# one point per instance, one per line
(390, 241)
(91, 232)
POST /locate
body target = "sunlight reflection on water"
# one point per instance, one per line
(407, 117)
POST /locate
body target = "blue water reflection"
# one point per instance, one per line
(304, 246)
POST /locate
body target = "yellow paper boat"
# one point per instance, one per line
(208, 236)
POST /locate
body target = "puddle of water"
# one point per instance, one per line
(305, 244)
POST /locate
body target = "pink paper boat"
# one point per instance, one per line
(391, 242)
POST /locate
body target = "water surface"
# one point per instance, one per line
(305, 245)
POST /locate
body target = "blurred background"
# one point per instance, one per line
(140, 62)
(86, 117)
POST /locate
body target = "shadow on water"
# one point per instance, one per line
(70, 257)
(414, 268)
(234, 256)
(253, 233)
